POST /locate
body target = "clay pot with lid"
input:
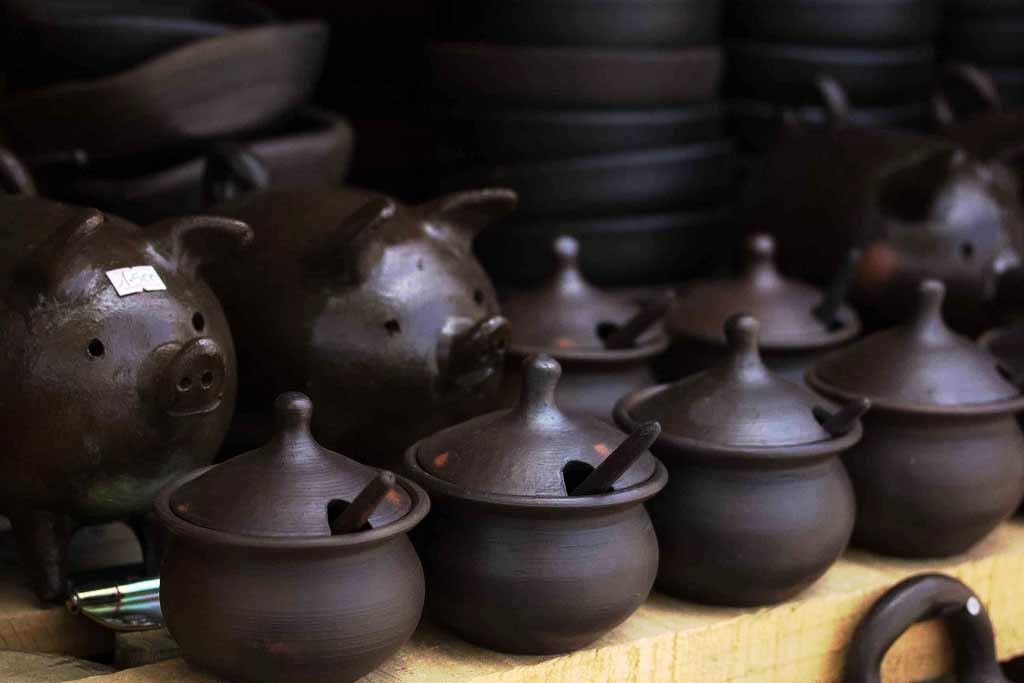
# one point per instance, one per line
(758, 505)
(942, 459)
(604, 343)
(539, 542)
(291, 562)
(798, 322)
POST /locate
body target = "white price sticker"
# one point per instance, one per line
(135, 280)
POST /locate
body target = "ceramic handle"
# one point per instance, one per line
(977, 82)
(917, 599)
(828, 310)
(842, 421)
(357, 514)
(231, 171)
(627, 334)
(604, 476)
(14, 177)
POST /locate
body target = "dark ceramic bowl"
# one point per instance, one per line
(315, 148)
(227, 85)
(516, 136)
(857, 23)
(987, 40)
(612, 23)
(487, 589)
(747, 525)
(59, 40)
(760, 124)
(575, 77)
(625, 250)
(693, 175)
(243, 607)
(787, 73)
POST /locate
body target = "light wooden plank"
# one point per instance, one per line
(672, 641)
(32, 667)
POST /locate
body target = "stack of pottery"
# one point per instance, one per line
(990, 35)
(155, 86)
(879, 52)
(603, 116)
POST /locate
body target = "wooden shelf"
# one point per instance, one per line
(668, 640)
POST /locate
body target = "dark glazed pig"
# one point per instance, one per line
(107, 396)
(378, 311)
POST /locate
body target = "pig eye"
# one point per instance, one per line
(198, 322)
(95, 349)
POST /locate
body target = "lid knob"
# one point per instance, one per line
(293, 412)
(567, 251)
(760, 257)
(540, 377)
(928, 312)
(741, 333)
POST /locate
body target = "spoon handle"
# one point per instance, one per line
(615, 465)
(627, 334)
(827, 311)
(355, 516)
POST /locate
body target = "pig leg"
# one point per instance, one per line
(151, 540)
(43, 540)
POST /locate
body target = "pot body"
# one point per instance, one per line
(689, 356)
(749, 533)
(260, 615)
(539, 581)
(934, 485)
(586, 387)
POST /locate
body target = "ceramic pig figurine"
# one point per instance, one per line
(117, 368)
(378, 311)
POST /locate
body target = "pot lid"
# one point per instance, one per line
(569, 316)
(919, 363)
(738, 403)
(785, 308)
(290, 487)
(533, 449)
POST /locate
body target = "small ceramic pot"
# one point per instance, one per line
(539, 543)
(942, 459)
(758, 505)
(800, 323)
(291, 563)
(921, 598)
(604, 342)
(117, 363)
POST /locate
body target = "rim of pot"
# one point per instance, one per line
(175, 524)
(638, 493)
(1008, 406)
(848, 332)
(746, 454)
(656, 346)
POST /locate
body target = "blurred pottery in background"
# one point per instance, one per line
(855, 23)
(758, 505)
(942, 429)
(112, 329)
(603, 342)
(798, 323)
(377, 310)
(261, 542)
(530, 500)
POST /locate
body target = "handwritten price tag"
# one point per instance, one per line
(135, 280)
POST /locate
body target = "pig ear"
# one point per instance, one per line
(52, 263)
(193, 241)
(465, 214)
(14, 177)
(353, 247)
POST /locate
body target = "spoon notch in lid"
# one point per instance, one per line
(534, 449)
(288, 487)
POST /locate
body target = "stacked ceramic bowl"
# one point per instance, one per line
(990, 35)
(603, 116)
(120, 104)
(879, 53)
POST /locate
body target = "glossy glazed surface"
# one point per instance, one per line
(109, 397)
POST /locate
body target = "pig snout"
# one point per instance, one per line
(192, 381)
(472, 355)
